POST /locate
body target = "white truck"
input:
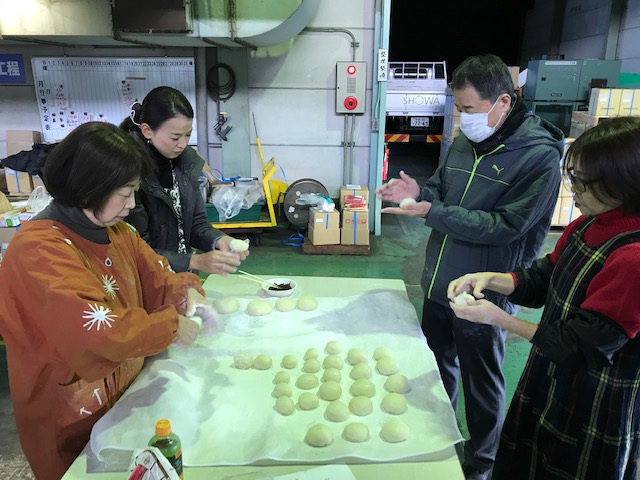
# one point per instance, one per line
(416, 94)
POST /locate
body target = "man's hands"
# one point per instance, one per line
(224, 244)
(216, 261)
(398, 189)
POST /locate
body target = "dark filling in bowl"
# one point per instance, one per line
(281, 286)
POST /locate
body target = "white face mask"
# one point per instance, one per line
(476, 125)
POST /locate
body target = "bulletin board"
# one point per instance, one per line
(75, 90)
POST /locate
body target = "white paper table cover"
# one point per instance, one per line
(226, 416)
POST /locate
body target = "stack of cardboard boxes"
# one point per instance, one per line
(21, 183)
(349, 225)
(605, 103)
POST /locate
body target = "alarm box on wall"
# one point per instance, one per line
(351, 87)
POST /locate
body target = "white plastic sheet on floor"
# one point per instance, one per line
(226, 416)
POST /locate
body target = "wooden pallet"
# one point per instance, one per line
(309, 248)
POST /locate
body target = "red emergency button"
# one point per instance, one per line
(351, 69)
(350, 103)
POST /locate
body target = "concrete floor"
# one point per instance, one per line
(397, 253)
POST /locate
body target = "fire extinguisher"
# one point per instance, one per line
(385, 164)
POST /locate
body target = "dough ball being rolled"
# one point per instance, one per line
(238, 245)
(284, 405)
(356, 432)
(243, 361)
(395, 431)
(397, 383)
(225, 305)
(330, 391)
(307, 303)
(259, 307)
(262, 362)
(308, 401)
(307, 381)
(463, 299)
(407, 201)
(394, 403)
(337, 411)
(285, 304)
(319, 436)
(387, 366)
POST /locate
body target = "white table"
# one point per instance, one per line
(442, 465)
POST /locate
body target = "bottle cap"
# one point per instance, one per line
(163, 427)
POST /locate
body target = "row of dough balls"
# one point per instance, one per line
(393, 431)
(260, 306)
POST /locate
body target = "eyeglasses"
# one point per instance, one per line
(578, 184)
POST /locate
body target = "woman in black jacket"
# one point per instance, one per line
(169, 212)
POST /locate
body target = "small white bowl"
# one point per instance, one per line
(279, 281)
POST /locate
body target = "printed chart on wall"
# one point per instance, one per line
(76, 90)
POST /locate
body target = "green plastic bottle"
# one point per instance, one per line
(169, 444)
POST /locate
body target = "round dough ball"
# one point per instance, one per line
(363, 388)
(355, 356)
(243, 361)
(463, 299)
(333, 347)
(330, 391)
(284, 405)
(308, 401)
(319, 436)
(311, 366)
(285, 304)
(333, 361)
(262, 362)
(282, 390)
(356, 432)
(395, 431)
(387, 366)
(407, 201)
(394, 403)
(238, 245)
(289, 361)
(225, 305)
(307, 381)
(307, 303)
(397, 383)
(282, 377)
(380, 352)
(332, 374)
(337, 411)
(361, 406)
(360, 370)
(259, 307)
(310, 353)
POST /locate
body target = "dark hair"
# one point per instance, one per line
(609, 159)
(160, 104)
(487, 74)
(91, 163)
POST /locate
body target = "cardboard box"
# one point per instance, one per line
(354, 195)
(629, 102)
(565, 186)
(10, 218)
(37, 181)
(20, 140)
(6, 234)
(324, 236)
(555, 218)
(350, 236)
(18, 182)
(568, 211)
(355, 219)
(605, 102)
(327, 220)
(515, 71)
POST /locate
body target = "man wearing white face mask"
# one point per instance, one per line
(489, 205)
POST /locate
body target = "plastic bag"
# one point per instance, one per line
(39, 199)
(229, 200)
(319, 200)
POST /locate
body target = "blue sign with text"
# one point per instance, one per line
(12, 69)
